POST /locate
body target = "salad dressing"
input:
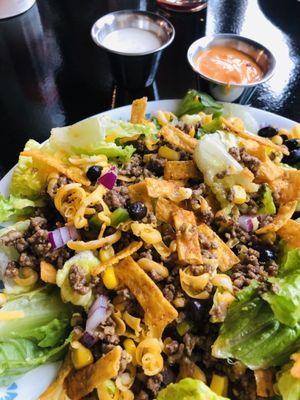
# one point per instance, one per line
(229, 66)
(132, 40)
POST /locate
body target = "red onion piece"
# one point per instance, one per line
(88, 340)
(109, 179)
(248, 223)
(97, 313)
(59, 237)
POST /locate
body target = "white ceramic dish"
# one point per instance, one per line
(32, 384)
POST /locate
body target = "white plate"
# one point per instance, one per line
(32, 384)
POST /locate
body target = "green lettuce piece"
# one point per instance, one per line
(27, 181)
(285, 300)
(194, 102)
(100, 135)
(252, 334)
(268, 206)
(38, 337)
(213, 126)
(14, 207)
(290, 261)
(288, 386)
(188, 389)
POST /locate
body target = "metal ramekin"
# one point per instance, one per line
(131, 70)
(225, 92)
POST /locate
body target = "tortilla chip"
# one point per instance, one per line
(285, 213)
(171, 189)
(132, 248)
(158, 311)
(56, 391)
(164, 210)
(138, 110)
(255, 149)
(178, 138)
(268, 172)
(74, 173)
(181, 170)
(226, 257)
(287, 186)
(138, 192)
(290, 233)
(188, 246)
(81, 383)
(246, 135)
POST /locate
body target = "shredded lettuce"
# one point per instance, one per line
(252, 334)
(188, 389)
(27, 181)
(288, 386)
(195, 101)
(100, 135)
(290, 261)
(14, 207)
(40, 336)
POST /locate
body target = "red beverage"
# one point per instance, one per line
(183, 5)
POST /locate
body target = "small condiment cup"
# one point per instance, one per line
(134, 70)
(231, 92)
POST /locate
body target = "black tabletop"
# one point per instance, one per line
(52, 74)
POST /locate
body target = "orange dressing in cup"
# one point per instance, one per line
(229, 66)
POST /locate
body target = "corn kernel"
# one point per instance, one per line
(219, 385)
(192, 131)
(168, 153)
(81, 356)
(277, 139)
(109, 278)
(207, 118)
(106, 253)
(130, 347)
(3, 299)
(239, 194)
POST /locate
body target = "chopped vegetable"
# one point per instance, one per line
(109, 179)
(195, 101)
(268, 206)
(14, 207)
(288, 386)
(61, 236)
(184, 327)
(118, 216)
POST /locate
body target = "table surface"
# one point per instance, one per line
(52, 74)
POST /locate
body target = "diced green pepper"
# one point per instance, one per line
(213, 126)
(184, 327)
(95, 223)
(118, 216)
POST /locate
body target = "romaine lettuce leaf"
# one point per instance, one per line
(188, 389)
(194, 102)
(40, 336)
(290, 261)
(288, 386)
(252, 334)
(100, 135)
(268, 205)
(13, 207)
(27, 181)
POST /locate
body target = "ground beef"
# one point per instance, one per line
(169, 292)
(12, 269)
(61, 181)
(221, 175)
(206, 243)
(59, 256)
(235, 153)
(134, 167)
(124, 361)
(241, 155)
(77, 279)
(172, 347)
(142, 395)
(117, 197)
(168, 233)
(106, 331)
(156, 165)
(154, 383)
(190, 341)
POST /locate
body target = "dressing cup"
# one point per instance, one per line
(134, 70)
(233, 91)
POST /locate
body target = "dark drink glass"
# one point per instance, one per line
(183, 5)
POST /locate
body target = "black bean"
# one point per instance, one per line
(268, 131)
(292, 144)
(293, 157)
(196, 310)
(94, 172)
(265, 254)
(137, 211)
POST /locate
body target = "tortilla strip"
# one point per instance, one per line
(285, 213)
(226, 257)
(56, 390)
(164, 210)
(178, 138)
(81, 383)
(287, 186)
(74, 173)
(138, 192)
(158, 311)
(180, 170)
(171, 189)
(132, 248)
(268, 172)
(246, 135)
(290, 233)
(255, 149)
(138, 110)
(188, 246)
